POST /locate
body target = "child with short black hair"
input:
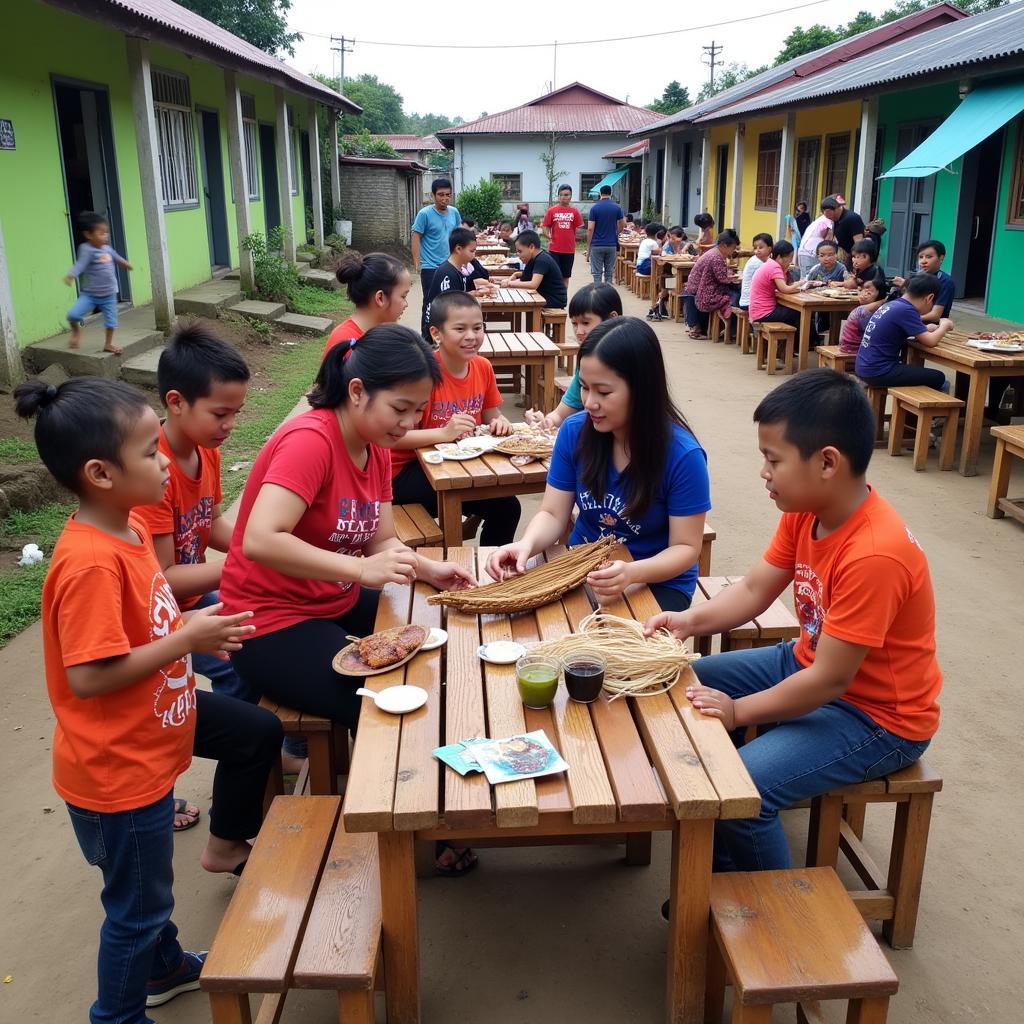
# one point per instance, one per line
(461, 272)
(117, 653)
(871, 295)
(540, 272)
(762, 244)
(96, 264)
(855, 697)
(828, 271)
(863, 260)
(930, 255)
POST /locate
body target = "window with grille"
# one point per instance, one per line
(837, 163)
(1015, 206)
(172, 109)
(251, 155)
(588, 181)
(769, 157)
(293, 150)
(805, 178)
(511, 186)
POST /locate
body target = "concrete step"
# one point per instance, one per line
(256, 310)
(305, 257)
(232, 275)
(207, 299)
(136, 333)
(318, 278)
(299, 323)
(140, 370)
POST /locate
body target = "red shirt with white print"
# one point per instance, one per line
(563, 222)
(307, 456)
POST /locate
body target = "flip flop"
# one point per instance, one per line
(181, 810)
(455, 871)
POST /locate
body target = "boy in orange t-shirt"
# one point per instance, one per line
(856, 694)
(119, 676)
(466, 397)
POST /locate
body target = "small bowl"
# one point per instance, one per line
(434, 458)
(501, 652)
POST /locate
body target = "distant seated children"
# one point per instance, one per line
(505, 233)
(675, 241)
(828, 271)
(590, 306)
(378, 285)
(130, 717)
(930, 255)
(461, 272)
(762, 244)
(468, 222)
(706, 238)
(863, 260)
(540, 272)
(466, 397)
(880, 356)
(855, 696)
(871, 294)
(650, 247)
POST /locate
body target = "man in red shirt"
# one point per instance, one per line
(559, 225)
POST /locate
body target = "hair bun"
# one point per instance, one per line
(33, 395)
(351, 267)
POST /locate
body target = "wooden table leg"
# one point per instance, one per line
(805, 339)
(549, 383)
(1000, 480)
(868, 1011)
(533, 318)
(690, 892)
(449, 507)
(398, 926)
(974, 420)
(230, 1008)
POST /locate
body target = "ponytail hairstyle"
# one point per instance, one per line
(602, 300)
(629, 347)
(364, 276)
(384, 357)
(81, 419)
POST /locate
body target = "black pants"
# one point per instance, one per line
(500, 515)
(293, 665)
(245, 741)
(782, 315)
(670, 599)
(426, 279)
(905, 375)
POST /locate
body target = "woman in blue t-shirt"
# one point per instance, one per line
(631, 465)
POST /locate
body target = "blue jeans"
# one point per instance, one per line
(906, 375)
(834, 745)
(86, 303)
(602, 263)
(138, 939)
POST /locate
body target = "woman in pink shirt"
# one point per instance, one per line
(768, 283)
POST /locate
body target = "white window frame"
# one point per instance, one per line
(584, 192)
(176, 139)
(498, 175)
(293, 150)
(250, 142)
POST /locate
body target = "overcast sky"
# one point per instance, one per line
(499, 79)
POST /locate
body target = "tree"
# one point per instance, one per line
(732, 75)
(382, 107)
(427, 124)
(264, 23)
(480, 202)
(549, 159)
(362, 143)
(675, 97)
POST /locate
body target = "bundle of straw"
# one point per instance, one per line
(635, 666)
(547, 582)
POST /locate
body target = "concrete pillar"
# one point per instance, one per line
(644, 185)
(316, 200)
(11, 369)
(786, 160)
(284, 173)
(862, 187)
(736, 200)
(149, 174)
(239, 179)
(666, 180)
(335, 168)
(705, 170)
(673, 172)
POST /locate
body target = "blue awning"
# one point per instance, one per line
(982, 112)
(609, 179)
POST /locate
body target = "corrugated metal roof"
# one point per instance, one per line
(181, 20)
(976, 40)
(634, 150)
(410, 143)
(372, 161)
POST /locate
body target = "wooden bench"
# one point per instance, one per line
(294, 922)
(833, 357)
(837, 826)
(775, 342)
(925, 404)
(1009, 445)
(552, 322)
(415, 527)
(792, 937)
(772, 626)
(642, 285)
(718, 328)
(327, 742)
(743, 336)
(876, 399)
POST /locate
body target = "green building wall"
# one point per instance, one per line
(1008, 245)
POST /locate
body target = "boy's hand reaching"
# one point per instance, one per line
(211, 633)
(677, 623)
(714, 704)
(460, 425)
(500, 427)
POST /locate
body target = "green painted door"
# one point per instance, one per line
(910, 215)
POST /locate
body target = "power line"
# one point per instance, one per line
(576, 42)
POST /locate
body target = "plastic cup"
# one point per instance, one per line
(537, 678)
(584, 676)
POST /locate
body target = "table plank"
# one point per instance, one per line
(444, 476)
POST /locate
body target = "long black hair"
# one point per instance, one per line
(384, 357)
(629, 347)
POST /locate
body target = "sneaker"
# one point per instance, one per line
(666, 909)
(184, 979)
(654, 314)
(650, 314)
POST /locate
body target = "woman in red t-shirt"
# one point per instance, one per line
(379, 286)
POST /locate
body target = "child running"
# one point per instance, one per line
(117, 654)
(856, 695)
(466, 396)
(96, 264)
(633, 468)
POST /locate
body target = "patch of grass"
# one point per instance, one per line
(315, 301)
(20, 591)
(14, 451)
(41, 526)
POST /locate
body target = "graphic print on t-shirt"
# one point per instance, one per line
(809, 607)
(612, 511)
(357, 523)
(188, 545)
(175, 697)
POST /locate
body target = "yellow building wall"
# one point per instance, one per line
(820, 123)
(720, 135)
(753, 220)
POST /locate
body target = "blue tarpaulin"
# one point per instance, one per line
(609, 179)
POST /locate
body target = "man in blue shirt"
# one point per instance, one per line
(604, 225)
(430, 231)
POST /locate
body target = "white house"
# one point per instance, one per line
(582, 127)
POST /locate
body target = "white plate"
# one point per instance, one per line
(435, 638)
(984, 345)
(501, 652)
(396, 700)
(459, 455)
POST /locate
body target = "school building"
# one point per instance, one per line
(184, 136)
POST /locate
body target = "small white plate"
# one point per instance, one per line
(396, 700)
(454, 453)
(435, 638)
(501, 652)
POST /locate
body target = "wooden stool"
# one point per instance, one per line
(643, 285)
(925, 404)
(619, 275)
(775, 341)
(328, 750)
(743, 336)
(832, 357)
(792, 937)
(629, 273)
(675, 306)
(876, 399)
(553, 323)
(415, 527)
(1009, 445)
(718, 328)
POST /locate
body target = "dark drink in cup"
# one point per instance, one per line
(584, 676)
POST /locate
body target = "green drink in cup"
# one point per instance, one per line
(538, 680)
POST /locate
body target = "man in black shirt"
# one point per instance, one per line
(847, 226)
(540, 272)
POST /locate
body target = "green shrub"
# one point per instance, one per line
(481, 202)
(275, 276)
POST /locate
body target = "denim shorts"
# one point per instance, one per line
(86, 303)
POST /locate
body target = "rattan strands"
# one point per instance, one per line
(538, 447)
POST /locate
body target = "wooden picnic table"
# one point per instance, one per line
(660, 265)
(533, 350)
(807, 304)
(655, 766)
(515, 304)
(955, 354)
(491, 249)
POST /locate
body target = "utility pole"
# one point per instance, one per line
(711, 60)
(346, 46)
(554, 67)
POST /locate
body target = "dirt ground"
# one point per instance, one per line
(585, 940)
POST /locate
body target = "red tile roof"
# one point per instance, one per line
(628, 152)
(411, 143)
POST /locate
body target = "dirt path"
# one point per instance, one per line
(586, 941)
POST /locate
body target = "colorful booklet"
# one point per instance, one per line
(526, 756)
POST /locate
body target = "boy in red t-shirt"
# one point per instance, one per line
(466, 397)
(119, 676)
(856, 695)
(560, 224)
